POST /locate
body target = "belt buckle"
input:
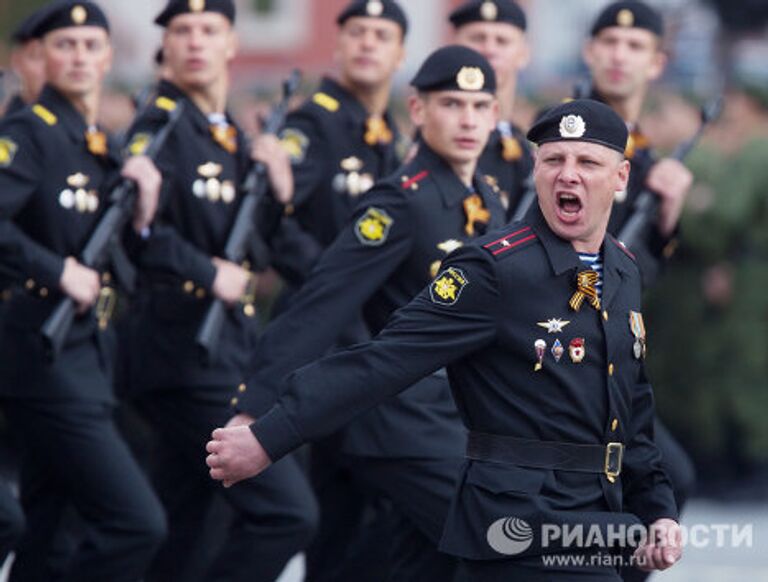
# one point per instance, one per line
(614, 457)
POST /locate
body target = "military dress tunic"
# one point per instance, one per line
(399, 235)
(484, 315)
(507, 162)
(53, 191)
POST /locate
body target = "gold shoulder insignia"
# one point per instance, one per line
(8, 149)
(165, 103)
(372, 228)
(447, 286)
(139, 144)
(44, 114)
(326, 102)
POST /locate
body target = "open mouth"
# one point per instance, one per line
(569, 204)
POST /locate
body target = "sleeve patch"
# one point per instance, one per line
(447, 287)
(372, 228)
(8, 149)
(296, 143)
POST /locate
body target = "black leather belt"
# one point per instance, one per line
(606, 459)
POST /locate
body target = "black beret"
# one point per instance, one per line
(25, 30)
(581, 120)
(65, 13)
(176, 7)
(388, 9)
(629, 14)
(489, 11)
(455, 68)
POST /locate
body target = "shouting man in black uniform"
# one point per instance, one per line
(409, 448)
(204, 164)
(540, 326)
(56, 171)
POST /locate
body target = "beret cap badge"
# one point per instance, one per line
(572, 126)
(470, 79)
(197, 5)
(374, 8)
(489, 11)
(625, 18)
(79, 14)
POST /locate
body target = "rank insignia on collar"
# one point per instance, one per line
(577, 350)
(447, 286)
(541, 348)
(8, 149)
(553, 325)
(296, 143)
(637, 326)
(372, 228)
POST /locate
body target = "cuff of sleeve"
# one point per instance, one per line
(204, 273)
(276, 433)
(48, 270)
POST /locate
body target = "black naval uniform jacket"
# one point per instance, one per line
(401, 231)
(654, 249)
(53, 192)
(201, 194)
(15, 105)
(507, 163)
(332, 166)
(481, 318)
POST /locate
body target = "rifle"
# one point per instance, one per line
(97, 250)
(256, 185)
(646, 205)
(581, 90)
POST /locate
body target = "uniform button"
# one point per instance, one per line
(189, 286)
(200, 293)
(605, 315)
(615, 424)
(43, 292)
(30, 284)
(610, 369)
(241, 388)
(234, 401)
(289, 209)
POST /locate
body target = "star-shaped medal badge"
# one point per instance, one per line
(553, 325)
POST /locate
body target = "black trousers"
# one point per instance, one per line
(274, 516)
(73, 457)
(420, 492)
(12, 522)
(533, 570)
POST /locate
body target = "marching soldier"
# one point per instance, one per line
(342, 140)
(56, 170)
(540, 326)
(27, 63)
(409, 448)
(496, 29)
(205, 163)
(624, 55)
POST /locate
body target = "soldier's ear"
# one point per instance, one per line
(416, 106)
(233, 44)
(623, 176)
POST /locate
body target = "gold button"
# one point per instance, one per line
(189, 286)
(610, 369)
(605, 315)
(249, 310)
(106, 278)
(200, 293)
(289, 209)
(234, 401)
(30, 284)
(615, 424)
(43, 292)
(241, 388)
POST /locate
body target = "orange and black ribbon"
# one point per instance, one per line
(636, 142)
(97, 142)
(510, 149)
(476, 213)
(225, 136)
(377, 131)
(586, 282)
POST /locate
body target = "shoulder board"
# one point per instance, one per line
(44, 114)
(165, 103)
(623, 248)
(413, 183)
(326, 102)
(514, 240)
